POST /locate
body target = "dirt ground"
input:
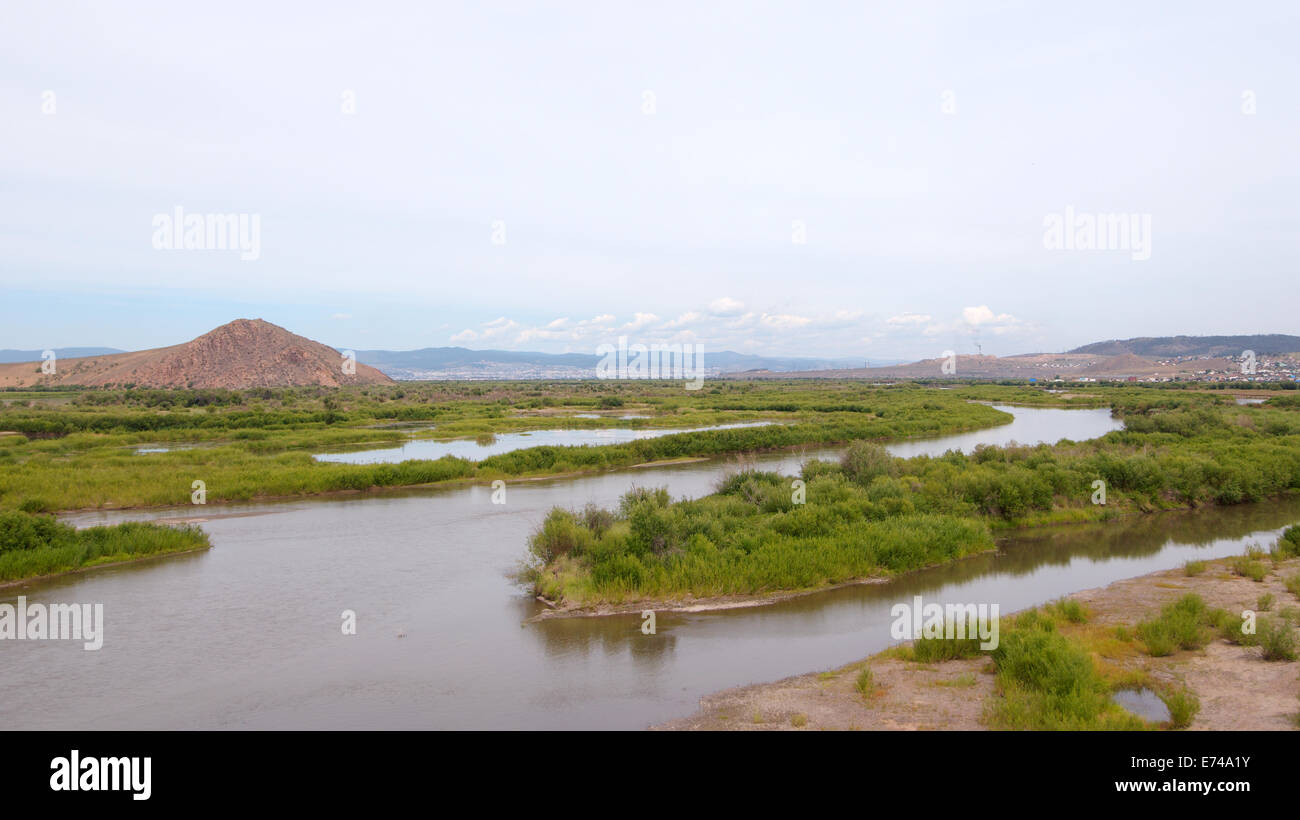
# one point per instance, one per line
(1237, 688)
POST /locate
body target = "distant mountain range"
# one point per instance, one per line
(1197, 358)
(460, 362)
(1172, 347)
(8, 356)
(254, 353)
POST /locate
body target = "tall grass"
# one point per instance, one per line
(33, 545)
(1184, 624)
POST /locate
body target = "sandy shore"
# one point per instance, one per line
(1236, 687)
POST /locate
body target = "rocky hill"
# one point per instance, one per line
(240, 354)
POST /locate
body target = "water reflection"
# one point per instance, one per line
(489, 444)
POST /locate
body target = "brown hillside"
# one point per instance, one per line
(241, 354)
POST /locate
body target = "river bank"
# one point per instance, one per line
(1236, 688)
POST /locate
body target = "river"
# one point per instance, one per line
(247, 634)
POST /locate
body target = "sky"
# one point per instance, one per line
(875, 180)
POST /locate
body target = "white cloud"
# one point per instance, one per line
(784, 321)
(726, 306)
(910, 319)
(976, 316)
(688, 318)
(641, 320)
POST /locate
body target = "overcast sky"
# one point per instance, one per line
(858, 179)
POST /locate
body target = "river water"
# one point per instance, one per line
(475, 449)
(247, 634)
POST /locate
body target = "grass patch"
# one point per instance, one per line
(1249, 567)
(1069, 609)
(1194, 568)
(937, 650)
(1047, 682)
(34, 545)
(1277, 640)
(1183, 707)
(1184, 624)
(865, 682)
(1232, 628)
(1292, 583)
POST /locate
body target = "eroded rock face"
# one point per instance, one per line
(240, 354)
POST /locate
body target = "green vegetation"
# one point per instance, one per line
(1183, 707)
(726, 544)
(1249, 568)
(864, 682)
(1193, 568)
(1288, 546)
(33, 545)
(755, 536)
(1184, 624)
(1276, 639)
(1047, 681)
(867, 514)
(1069, 609)
(1293, 584)
(939, 649)
(76, 447)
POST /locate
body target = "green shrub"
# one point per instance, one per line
(1250, 568)
(1292, 583)
(1070, 609)
(863, 462)
(560, 534)
(1183, 707)
(1288, 545)
(1232, 628)
(1047, 682)
(1277, 640)
(1180, 625)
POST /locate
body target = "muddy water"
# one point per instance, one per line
(248, 633)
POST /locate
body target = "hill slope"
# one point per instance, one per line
(240, 354)
(1169, 347)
